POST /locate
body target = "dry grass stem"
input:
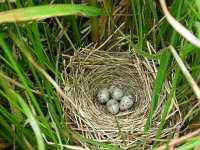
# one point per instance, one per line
(186, 73)
(181, 139)
(10, 80)
(65, 33)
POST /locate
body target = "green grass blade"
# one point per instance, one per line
(164, 62)
(51, 135)
(135, 48)
(184, 53)
(140, 51)
(168, 104)
(24, 81)
(12, 120)
(137, 21)
(75, 30)
(5, 136)
(32, 120)
(49, 92)
(93, 142)
(28, 113)
(94, 24)
(160, 32)
(6, 126)
(47, 11)
(193, 10)
(120, 131)
(192, 143)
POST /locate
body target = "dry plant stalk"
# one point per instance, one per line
(91, 69)
(181, 139)
(186, 73)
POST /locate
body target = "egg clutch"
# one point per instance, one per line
(115, 99)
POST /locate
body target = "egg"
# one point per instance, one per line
(113, 106)
(126, 102)
(116, 93)
(103, 95)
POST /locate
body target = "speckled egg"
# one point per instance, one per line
(116, 93)
(113, 106)
(103, 95)
(126, 102)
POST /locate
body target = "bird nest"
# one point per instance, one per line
(90, 70)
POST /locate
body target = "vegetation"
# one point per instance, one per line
(34, 37)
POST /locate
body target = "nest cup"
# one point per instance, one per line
(122, 76)
(86, 73)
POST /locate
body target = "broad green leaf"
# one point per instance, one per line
(47, 11)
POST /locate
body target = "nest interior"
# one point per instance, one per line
(87, 72)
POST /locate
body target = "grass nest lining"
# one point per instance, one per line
(87, 72)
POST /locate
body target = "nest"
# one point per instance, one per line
(87, 72)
